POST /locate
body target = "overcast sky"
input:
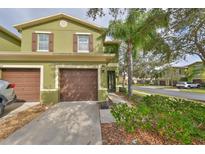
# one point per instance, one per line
(10, 17)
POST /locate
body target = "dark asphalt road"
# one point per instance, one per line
(171, 92)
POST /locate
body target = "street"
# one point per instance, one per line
(171, 92)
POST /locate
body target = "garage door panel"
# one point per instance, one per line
(33, 84)
(27, 82)
(19, 81)
(19, 74)
(26, 78)
(78, 84)
(25, 92)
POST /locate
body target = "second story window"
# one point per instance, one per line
(43, 42)
(83, 43)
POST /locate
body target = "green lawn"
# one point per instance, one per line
(140, 84)
(196, 90)
(201, 90)
(140, 94)
(157, 86)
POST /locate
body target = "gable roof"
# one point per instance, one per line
(42, 20)
(194, 63)
(4, 30)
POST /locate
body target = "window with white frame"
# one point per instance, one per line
(43, 42)
(83, 43)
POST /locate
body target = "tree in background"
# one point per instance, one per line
(138, 31)
(145, 66)
(100, 12)
(195, 71)
(186, 32)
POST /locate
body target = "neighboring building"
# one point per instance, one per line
(61, 59)
(196, 72)
(169, 76)
(9, 41)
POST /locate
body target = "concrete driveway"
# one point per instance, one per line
(65, 123)
(171, 92)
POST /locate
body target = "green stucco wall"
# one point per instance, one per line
(8, 43)
(49, 97)
(63, 37)
(49, 76)
(102, 95)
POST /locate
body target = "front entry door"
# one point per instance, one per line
(111, 81)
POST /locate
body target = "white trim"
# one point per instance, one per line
(98, 67)
(42, 50)
(43, 32)
(79, 33)
(49, 89)
(83, 51)
(28, 66)
(99, 77)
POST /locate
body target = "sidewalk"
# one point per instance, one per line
(116, 99)
(105, 114)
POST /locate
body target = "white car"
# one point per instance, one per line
(7, 94)
(187, 85)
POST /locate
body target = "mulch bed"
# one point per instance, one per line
(114, 135)
(11, 124)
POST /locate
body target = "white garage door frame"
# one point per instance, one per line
(28, 66)
(58, 67)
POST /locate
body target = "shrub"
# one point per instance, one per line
(125, 116)
(175, 119)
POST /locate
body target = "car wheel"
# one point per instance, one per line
(1, 109)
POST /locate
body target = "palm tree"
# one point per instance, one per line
(139, 32)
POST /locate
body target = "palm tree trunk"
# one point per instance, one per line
(123, 78)
(129, 63)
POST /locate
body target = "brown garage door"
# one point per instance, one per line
(78, 84)
(27, 83)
